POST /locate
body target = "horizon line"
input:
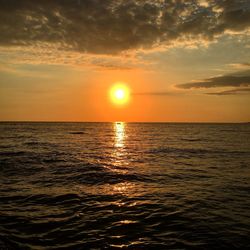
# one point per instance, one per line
(61, 121)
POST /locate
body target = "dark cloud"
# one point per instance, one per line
(238, 91)
(238, 79)
(112, 26)
(235, 14)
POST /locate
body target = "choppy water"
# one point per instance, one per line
(117, 185)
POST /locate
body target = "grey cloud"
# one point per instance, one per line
(112, 26)
(238, 79)
(235, 15)
(238, 91)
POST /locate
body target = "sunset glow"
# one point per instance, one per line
(124, 124)
(130, 61)
(120, 94)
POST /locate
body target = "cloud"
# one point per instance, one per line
(238, 79)
(114, 26)
(163, 93)
(47, 54)
(238, 91)
(240, 65)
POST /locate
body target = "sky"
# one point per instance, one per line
(183, 61)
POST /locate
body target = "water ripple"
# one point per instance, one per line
(133, 186)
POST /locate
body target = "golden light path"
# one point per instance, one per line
(119, 134)
(120, 93)
(119, 154)
(121, 161)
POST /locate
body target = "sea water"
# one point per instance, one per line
(124, 185)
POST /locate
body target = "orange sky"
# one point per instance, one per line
(62, 68)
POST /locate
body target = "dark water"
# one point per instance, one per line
(105, 185)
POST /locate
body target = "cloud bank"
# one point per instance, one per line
(114, 26)
(238, 79)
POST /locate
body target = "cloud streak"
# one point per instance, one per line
(240, 65)
(163, 93)
(239, 91)
(238, 79)
(114, 26)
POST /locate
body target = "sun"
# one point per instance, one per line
(119, 93)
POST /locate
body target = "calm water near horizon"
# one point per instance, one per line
(124, 185)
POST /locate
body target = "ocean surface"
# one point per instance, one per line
(124, 185)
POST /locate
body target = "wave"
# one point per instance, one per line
(195, 151)
(77, 133)
(12, 153)
(192, 139)
(151, 186)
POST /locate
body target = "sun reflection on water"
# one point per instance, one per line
(119, 153)
(119, 128)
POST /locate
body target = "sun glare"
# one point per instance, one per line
(120, 93)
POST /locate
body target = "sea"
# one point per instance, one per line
(124, 185)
